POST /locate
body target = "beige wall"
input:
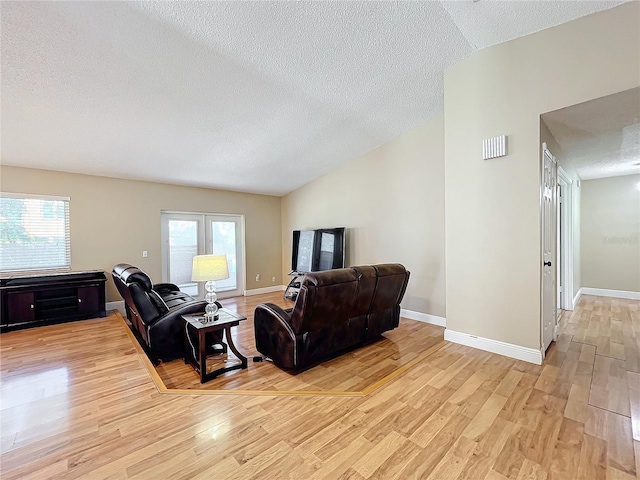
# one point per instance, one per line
(493, 207)
(392, 202)
(611, 233)
(114, 220)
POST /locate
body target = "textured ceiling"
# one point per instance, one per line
(600, 137)
(249, 96)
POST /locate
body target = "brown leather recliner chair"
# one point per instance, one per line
(335, 311)
(155, 311)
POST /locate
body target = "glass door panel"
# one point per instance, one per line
(223, 240)
(182, 239)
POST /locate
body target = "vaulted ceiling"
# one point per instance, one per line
(249, 96)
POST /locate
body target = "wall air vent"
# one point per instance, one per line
(494, 147)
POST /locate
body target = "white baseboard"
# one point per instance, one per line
(602, 292)
(259, 291)
(424, 317)
(119, 305)
(577, 297)
(530, 355)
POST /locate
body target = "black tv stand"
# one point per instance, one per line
(291, 292)
(31, 300)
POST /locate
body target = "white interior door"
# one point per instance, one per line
(549, 243)
(187, 234)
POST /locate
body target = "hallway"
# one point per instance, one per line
(597, 358)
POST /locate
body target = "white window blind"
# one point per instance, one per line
(34, 232)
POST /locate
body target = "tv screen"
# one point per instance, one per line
(316, 250)
(304, 258)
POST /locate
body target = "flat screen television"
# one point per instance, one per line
(316, 250)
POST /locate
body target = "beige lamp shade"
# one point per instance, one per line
(209, 267)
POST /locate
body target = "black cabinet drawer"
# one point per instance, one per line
(20, 308)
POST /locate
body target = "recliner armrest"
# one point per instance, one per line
(165, 287)
(275, 311)
(274, 335)
(195, 306)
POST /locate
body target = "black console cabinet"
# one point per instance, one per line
(32, 300)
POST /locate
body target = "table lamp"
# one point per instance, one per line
(209, 268)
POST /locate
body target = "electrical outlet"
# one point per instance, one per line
(273, 279)
(257, 277)
(145, 254)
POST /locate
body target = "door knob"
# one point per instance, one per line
(547, 264)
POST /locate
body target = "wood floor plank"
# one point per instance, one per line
(577, 404)
(485, 417)
(568, 448)
(343, 460)
(391, 468)
(532, 471)
(633, 383)
(620, 452)
(512, 456)
(431, 426)
(593, 458)
(453, 463)
(378, 454)
(477, 466)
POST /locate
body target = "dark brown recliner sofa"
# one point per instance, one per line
(335, 311)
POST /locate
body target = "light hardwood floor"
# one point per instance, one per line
(77, 402)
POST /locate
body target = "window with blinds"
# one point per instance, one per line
(34, 233)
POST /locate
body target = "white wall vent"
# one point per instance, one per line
(494, 147)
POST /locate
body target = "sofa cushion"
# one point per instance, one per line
(391, 285)
(367, 279)
(173, 299)
(158, 302)
(325, 298)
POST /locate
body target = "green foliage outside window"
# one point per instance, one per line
(11, 226)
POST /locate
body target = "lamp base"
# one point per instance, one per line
(211, 310)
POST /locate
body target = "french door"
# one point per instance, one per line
(185, 235)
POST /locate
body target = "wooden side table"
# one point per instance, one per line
(196, 355)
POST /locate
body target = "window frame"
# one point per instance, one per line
(67, 233)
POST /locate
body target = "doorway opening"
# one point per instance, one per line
(596, 143)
